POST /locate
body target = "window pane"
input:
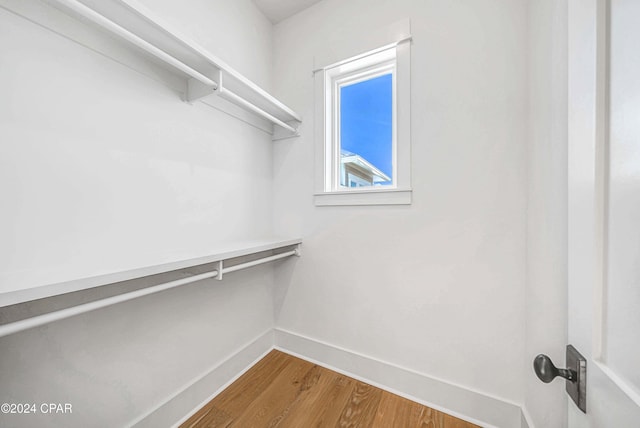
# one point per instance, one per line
(366, 132)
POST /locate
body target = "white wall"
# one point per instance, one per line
(546, 295)
(101, 167)
(438, 286)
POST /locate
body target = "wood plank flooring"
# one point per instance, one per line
(285, 391)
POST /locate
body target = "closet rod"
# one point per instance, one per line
(260, 261)
(111, 26)
(232, 96)
(28, 323)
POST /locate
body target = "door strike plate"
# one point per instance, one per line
(577, 387)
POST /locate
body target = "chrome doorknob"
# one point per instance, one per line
(546, 371)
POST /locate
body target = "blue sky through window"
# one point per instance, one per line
(366, 110)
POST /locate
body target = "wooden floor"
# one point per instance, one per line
(285, 391)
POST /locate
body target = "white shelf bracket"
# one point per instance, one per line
(197, 89)
(280, 133)
(220, 270)
(298, 250)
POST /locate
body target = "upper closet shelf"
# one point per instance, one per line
(205, 73)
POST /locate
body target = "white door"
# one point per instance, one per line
(604, 207)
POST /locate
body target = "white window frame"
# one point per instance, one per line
(394, 57)
(350, 73)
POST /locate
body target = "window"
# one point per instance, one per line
(363, 122)
(364, 135)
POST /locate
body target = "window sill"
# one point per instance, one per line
(364, 197)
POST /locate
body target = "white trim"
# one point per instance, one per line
(628, 389)
(364, 197)
(456, 400)
(601, 180)
(180, 406)
(527, 421)
(402, 132)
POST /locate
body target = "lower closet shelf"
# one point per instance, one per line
(289, 248)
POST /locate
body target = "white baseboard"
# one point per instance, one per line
(472, 406)
(456, 400)
(184, 403)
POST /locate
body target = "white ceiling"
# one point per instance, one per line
(277, 10)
